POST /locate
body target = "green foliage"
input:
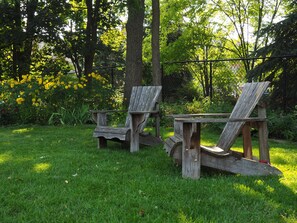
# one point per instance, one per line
(79, 115)
(193, 107)
(282, 125)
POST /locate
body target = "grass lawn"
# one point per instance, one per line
(56, 174)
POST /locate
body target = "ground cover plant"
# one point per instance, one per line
(56, 174)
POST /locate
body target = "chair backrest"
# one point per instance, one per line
(143, 98)
(246, 103)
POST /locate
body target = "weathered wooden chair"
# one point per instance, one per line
(143, 104)
(185, 146)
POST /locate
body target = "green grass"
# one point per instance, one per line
(56, 174)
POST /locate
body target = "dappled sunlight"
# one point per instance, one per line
(168, 134)
(41, 167)
(279, 157)
(5, 157)
(183, 218)
(22, 130)
(261, 183)
(246, 190)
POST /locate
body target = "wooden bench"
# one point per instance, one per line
(143, 104)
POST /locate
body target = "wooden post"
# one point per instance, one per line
(157, 120)
(157, 124)
(247, 141)
(191, 154)
(102, 121)
(263, 136)
(135, 120)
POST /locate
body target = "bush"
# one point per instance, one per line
(281, 125)
(36, 99)
(194, 107)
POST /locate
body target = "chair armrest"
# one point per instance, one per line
(102, 115)
(140, 112)
(107, 111)
(250, 119)
(216, 120)
(199, 115)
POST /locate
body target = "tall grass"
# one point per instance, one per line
(56, 174)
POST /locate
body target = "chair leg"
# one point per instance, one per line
(263, 142)
(247, 142)
(102, 142)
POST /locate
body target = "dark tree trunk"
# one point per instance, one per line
(157, 78)
(16, 51)
(91, 35)
(23, 41)
(28, 44)
(134, 29)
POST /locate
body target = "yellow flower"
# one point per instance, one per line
(20, 100)
(39, 80)
(48, 85)
(80, 86)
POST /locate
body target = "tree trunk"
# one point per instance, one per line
(91, 35)
(157, 75)
(28, 44)
(134, 30)
(16, 41)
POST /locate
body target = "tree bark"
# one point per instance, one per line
(156, 67)
(134, 28)
(91, 35)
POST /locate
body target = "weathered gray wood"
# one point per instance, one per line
(101, 121)
(191, 158)
(247, 141)
(246, 103)
(241, 166)
(220, 156)
(143, 99)
(263, 137)
(136, 120)
(111, 133)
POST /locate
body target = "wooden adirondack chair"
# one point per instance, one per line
(143, 104)
(187, 133)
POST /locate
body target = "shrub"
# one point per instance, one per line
(282, 125)
(35, 98)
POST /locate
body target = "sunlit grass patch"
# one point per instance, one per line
(5, 157)
(22, 130)
(41, 167)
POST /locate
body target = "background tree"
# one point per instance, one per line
(134, 29)
(156, 66)
(280, 71)
(242, 21)
(22, 23)
(80, 41)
